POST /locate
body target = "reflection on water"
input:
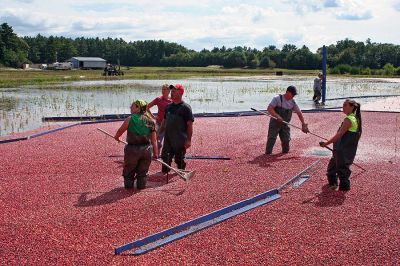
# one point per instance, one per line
(22, 109)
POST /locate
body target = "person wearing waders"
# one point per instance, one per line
(318, 88)
(282, 107)
(345, 144)
(161, 102)
(178, 128)
(141, 138)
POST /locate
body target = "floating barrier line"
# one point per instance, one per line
(38, 134)
(201, 157)
(119, 117)
(51, 131)
(100, 121)
(165, 237)
(12, 140)
(363, 96)
(296, 178)
(149, 243)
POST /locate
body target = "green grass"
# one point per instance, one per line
(16, 77)
(10, 78)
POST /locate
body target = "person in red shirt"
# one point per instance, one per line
(161, 102)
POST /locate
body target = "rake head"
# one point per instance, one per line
(187, 175)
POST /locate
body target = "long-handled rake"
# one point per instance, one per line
(184, 174)
(353, 163)
(108, 134)
(273, 117)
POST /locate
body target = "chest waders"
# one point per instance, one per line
(137, 159)
(174, 142)
(344, 152)
(283, 130)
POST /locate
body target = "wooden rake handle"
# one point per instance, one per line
(108, 134)
(273, 117)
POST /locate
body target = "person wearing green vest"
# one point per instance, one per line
(141, 138)
(345, 144)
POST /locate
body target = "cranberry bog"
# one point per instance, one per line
(63, 202)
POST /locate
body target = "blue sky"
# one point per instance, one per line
(206, 24)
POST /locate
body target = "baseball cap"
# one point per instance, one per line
(178, 87)
(292, 89)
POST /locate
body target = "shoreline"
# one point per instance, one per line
(18, 77)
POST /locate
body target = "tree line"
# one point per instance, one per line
(346, 56)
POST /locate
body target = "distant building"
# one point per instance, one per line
(60, 66)
(88, 62)
(38, 66)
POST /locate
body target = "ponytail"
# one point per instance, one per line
(358, 116)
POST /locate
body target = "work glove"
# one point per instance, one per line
(304, 128)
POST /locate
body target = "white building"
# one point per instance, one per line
(88, 62)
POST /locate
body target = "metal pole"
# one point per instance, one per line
(324, 57)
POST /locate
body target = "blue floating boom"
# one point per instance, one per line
(152, 242)
(149, 243)
(364, 96)
(51, 131)
(201, 157)
(12, 140)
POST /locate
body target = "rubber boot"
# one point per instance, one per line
(180, 160)
(128, 182)
(332, 181)
(141, 182)
(285, 147)
(181, 165)
(270, 145)
(168, 160)
(344, 184)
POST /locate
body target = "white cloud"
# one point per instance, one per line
(25, 1)
(331, 3)
(396, 5)
(355, 16)
(353, 10)
(22, 20)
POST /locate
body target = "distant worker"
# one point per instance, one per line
(318, 88)
(161, 102)
(282, 107)
(345, 144)
(141, 138)
(178, 128)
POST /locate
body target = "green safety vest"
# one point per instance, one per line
(354, 122)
